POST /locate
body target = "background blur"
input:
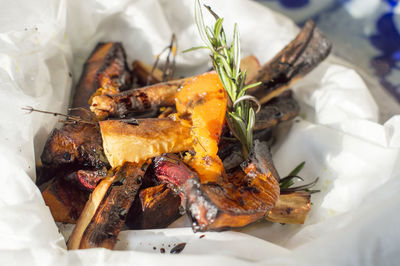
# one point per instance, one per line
(366, 33)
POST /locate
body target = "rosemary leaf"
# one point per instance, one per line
(297, 169)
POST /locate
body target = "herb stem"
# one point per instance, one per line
(226, 61)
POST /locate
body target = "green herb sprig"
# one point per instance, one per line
(226, 61)
(286, 183)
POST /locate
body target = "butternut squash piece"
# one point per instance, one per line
(205, 100)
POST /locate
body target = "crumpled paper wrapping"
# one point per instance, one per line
(353, 221)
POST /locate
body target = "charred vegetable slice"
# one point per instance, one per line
(234, 201)
(155, 207)
(279, 109)
(88, 212)
(298, 58)
(136, 100)
(64, 201)
(105, 68)
(78, 143)
(142, 72)
(103, 229)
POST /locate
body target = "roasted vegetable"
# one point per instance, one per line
(80, 143)
(86, 179)
(252, 66)
(155, 207)
(65, 201)
(77, 143)
(204, 100)
(143, 72)
(279, 109)
(233, 201)
(103, 229)
(298, 58)
(136, 100)
(105, 68)
(291, 208)
(124, 142)
(88, 212)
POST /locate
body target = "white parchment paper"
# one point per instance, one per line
(354, 220)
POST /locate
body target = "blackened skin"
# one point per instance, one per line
(75, 143)
(235, 200)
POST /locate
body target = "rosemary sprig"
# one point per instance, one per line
(286, 183)
(226, 61)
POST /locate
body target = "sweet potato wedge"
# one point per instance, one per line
(155, 207)
(65, 201)
(235, 200)
(298, 58)
(88, 212)
(104, 227)
(106, 67)
(80, 143)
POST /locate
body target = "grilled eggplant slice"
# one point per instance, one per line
(106, 67)
(136, 100)
(104, 227)
(155, 207)
(235, 201)
(298, 58)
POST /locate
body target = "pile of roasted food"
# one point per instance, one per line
(139, 149)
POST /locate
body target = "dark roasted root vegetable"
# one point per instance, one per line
(104, 227)
(86, 179)
(234, 201)
(65, 201)
(277, 110)
(81, 143)
(124, 142)
(142, 72)
(155, 207)
(291, 208)
(78, 143)
(105, 68)
(136, 100)
(298, 58)
(89, 211)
